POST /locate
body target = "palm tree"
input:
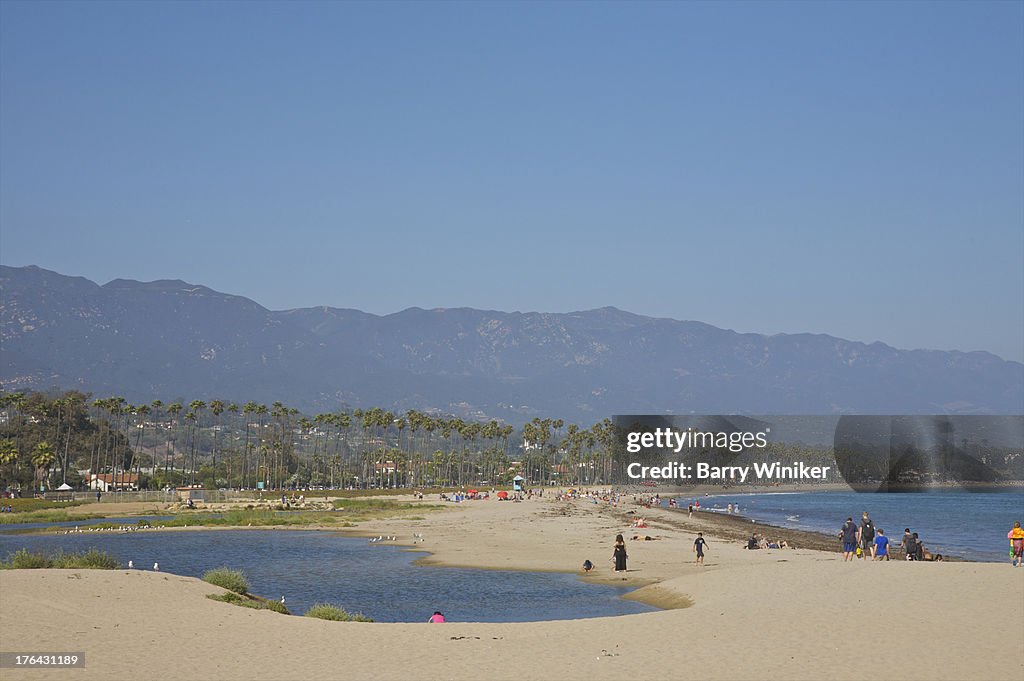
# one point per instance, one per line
(174, 410)
(216, 408)
(42, 458)
(9, 454)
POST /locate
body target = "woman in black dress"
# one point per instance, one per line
(620, 554)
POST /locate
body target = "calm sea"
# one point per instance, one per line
(972, 525)
(378, 580)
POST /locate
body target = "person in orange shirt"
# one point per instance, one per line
(1016, 537)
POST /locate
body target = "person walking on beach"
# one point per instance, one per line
(619, 554)
(866, 537)
(908, 544)
(848, 533)
(698, 546)
(1016, 537)
(881, 547)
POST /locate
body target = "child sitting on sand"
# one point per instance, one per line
(587, 565)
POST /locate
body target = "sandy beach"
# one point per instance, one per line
(777, 614)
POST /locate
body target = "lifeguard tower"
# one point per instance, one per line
(518, 483)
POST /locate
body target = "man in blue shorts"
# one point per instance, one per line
(848, 533)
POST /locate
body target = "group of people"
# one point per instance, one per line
(619, 554)
(869, 542)
(7, 509)
(764, 542)
(1016, 537)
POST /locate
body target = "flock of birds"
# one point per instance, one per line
(416, 538)
(131, 566)
(119, 528)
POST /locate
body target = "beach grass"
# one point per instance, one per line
(249, 601)
(85, 560)
(226, 578)
(50, 515)
(327, 611)
(377, 509)
(33, 504)
(239, 518)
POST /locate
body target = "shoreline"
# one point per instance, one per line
(719, 527)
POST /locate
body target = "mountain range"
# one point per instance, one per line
(173, 340)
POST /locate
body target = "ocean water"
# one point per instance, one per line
(380, 581)
(969, 524)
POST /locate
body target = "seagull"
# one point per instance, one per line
(130, 565)
(156, 566)
(282, 600)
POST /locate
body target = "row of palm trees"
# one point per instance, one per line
(223, 443)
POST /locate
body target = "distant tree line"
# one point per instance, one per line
(46, 439)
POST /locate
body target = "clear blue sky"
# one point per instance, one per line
(853, 169)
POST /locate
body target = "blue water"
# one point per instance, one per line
(971, 525)
(378, 580)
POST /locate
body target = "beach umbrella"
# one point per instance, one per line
(64, 488)
(503, 494)
(472, 491)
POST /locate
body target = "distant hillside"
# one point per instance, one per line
(171, 339)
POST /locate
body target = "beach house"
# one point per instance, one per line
(111, 482)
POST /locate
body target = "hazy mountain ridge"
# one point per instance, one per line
(169, 339)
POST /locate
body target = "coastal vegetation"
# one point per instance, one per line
(226, 578)
(250, 601)
(326, 611)
(47, 439)
(85, 560)
(52, 515)
(237, 586)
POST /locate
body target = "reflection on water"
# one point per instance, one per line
(379, 581)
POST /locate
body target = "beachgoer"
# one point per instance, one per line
(619, 554)
(881, 551)
(908, 544)
(98, 495)
(1016, 537)
(587, 566)
(689, 511)
(698, 546)
(866, 536)
(848, 533)
(752, 542)
(918, 547)
(436, 618)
